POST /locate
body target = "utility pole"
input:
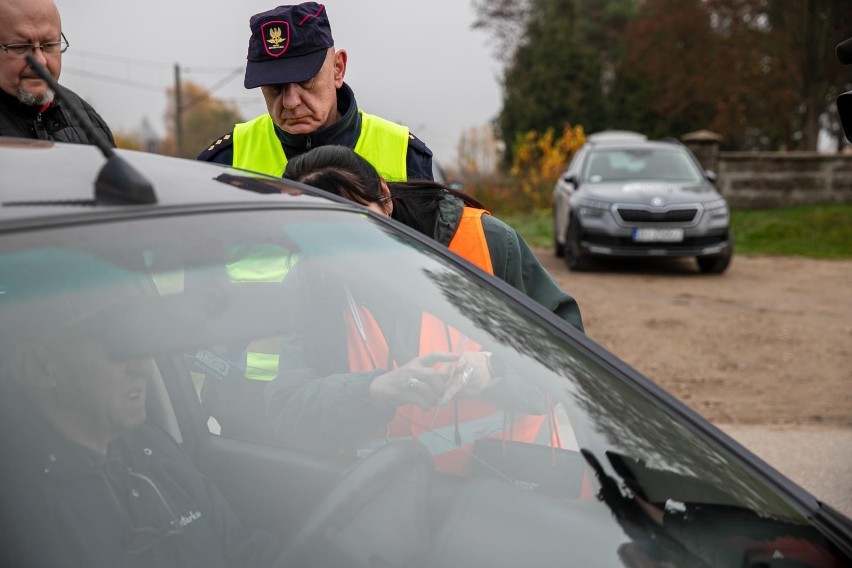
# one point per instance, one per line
(178, 114)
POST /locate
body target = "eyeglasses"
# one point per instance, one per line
(49, 48)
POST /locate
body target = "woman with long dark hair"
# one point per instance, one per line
(450, 217)
(391, 371)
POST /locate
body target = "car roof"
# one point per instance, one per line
(615, 136)
(43, 180)
(635, 143)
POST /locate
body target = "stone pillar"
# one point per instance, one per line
(705, 145)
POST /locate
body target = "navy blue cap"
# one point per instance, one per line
(288, 44)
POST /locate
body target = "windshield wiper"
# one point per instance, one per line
(714, 534)
(642, 528)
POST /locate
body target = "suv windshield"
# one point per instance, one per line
(608, 165)
(289, 326)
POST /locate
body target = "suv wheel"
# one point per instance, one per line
(558, 248)
(716, 264)
(575, 259)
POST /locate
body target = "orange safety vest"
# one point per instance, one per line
(448, 432)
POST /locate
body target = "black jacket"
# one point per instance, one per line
(144, 504)
(344, 132)
(54, 123)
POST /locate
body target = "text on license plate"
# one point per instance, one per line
(657, 235)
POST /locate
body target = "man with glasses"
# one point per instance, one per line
(28, 107)
(291, 57)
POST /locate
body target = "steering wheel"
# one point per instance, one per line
(357, 486)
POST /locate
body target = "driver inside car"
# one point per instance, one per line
(88, 481)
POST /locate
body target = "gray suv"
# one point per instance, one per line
(626, 196)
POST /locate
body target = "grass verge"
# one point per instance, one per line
(815, 231)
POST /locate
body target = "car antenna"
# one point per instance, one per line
(117, 180)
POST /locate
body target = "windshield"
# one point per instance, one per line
(328, 336)
(613, 165)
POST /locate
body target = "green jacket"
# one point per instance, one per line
(512, 260)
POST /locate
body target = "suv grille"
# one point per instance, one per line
(645, 216)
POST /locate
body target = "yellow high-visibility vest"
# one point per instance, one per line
(382, 143)
(256, 147)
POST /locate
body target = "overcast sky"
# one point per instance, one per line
(417, 62)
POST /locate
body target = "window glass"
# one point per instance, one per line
(641, 164)
(327, 332)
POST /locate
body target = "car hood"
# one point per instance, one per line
(648, 192)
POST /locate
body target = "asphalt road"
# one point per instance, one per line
(818, 459)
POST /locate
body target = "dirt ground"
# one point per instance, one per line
(767, 343)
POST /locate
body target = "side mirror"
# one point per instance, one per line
(570, 178)
(710, 175)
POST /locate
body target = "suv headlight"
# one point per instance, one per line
(592, 208)
(717, 209)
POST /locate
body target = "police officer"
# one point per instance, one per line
(291, 57)
(28, 108)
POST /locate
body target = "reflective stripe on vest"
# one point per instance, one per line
(382, 143)
(260, 263)
(261, 366)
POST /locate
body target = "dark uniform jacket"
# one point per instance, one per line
(316, 402)
(53, 123)
(344, 132)
(144, 504)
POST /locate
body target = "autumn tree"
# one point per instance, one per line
(142, 138)
(128, 140)
(539, 159)
(203, 118)
(478, 151)
(804, 34)
(506, 20)
(760, 72)
(663, 83)
(561, 65)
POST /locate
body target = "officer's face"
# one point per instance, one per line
(33, 22)
(303, 108)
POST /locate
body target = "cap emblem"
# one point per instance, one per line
(276, 37)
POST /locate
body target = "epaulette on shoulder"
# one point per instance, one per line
(216, 147)
(418, 145)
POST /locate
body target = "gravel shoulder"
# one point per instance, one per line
(769, 342)
(763, 351)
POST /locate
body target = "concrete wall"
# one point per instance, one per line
(780, 179)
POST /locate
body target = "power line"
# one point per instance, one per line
(248, 100)
(149, 63)
(114, 79)
(207, 69)
(209, 90)
(127, 60)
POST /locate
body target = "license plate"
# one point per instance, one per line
(657, 235)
